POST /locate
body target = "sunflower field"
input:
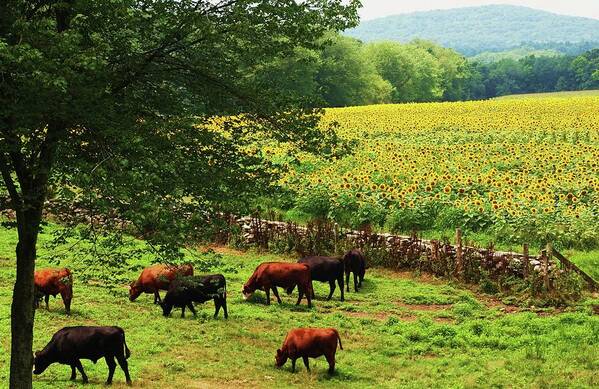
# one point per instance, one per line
(523, 170)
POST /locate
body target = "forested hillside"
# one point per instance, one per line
(474, 30)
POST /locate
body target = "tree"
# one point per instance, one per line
(115, 98)
(413, 72)
(454, 69)
(347, 77)
(586, 69)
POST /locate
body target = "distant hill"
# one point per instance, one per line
(473, 30)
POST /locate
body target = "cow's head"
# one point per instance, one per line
(166, 308)
(134, 291)
(280, 358)
(41, 361)
(247, 292)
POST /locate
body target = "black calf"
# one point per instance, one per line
(184, 291)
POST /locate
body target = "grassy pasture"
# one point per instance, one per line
(550, 94)
(400, 330)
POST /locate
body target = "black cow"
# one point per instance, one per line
(184, 291)
(325, 269)
(71, 344)
(355, 262)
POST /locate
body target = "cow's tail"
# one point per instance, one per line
(127, 351)
(224, 295)
(338, 339)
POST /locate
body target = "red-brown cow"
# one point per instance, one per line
(269, 275)
(157, 277)
(309, 343)
(52, 282)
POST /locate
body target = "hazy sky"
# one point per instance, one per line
(377, 8)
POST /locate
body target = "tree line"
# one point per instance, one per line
(347, 72)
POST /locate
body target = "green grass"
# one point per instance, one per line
(399, 331)
(550, 94)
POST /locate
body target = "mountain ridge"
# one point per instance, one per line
(473, 30)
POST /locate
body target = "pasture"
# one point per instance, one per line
(550, 94)
(399, 330)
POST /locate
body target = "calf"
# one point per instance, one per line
(71, 344)
(269, 275)
(157, 277)
(185, 291)
(325, 269)
(309, 343)
(354, 263)
(52, 282)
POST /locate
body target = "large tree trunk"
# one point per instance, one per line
(22, 312)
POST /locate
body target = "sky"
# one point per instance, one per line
(377, 8)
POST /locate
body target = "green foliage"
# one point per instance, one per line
(348, 78)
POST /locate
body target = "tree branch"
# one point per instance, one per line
(15, 197)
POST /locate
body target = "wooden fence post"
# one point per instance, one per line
(336, 232)
(526, 260)
(458, 253)
(548, 256)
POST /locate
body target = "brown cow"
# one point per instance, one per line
(269, 275)
(309, 343)
(157, 277)
(52, 282)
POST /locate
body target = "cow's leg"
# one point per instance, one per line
(217, 304)
(347, 280)
(276, 293)
(125, 366)
(341, 287)
(66, 299)
(355, 281)
(362, 273)
(300, 295)
(47, 300)
(183, 311)
(331, 289)
(157, 299)
(309, 296)
(267, 290)
(73, 373)
(191, 308)
(79, 367)
(293, 365)
(111, 366)
(224, 304)
(331, 360)
(307, 363)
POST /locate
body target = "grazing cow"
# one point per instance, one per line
(354, 263)
(71, 344)
(269, 275)
(52, 282)
(157, 277)
(184, 291)
(309, 343)
(325, 269)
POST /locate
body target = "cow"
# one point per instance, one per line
(184, 291)
(325, 269)
(354, 263)
(71, 344)
(52, 282)
(309, 343)
(157, 277)
(269, 275)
